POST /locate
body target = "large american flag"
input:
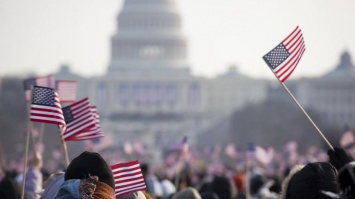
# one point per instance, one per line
(284, 58)
(45, 106)
(45, 81)
(128, 178)
(90, 133)
(78, 118)
(66, 90)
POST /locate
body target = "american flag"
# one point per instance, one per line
(45, 106)
(90, 133)
(284, 58)
(45, 81)
(182, 146)
(78, 118)
(128, 178)
(66, 90)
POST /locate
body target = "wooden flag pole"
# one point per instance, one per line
(25, 161)
(29, 129)
(64, 145)
(309, 118)
(305, 113)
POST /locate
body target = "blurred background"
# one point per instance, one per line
(158, 70)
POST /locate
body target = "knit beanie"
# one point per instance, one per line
(90, 164)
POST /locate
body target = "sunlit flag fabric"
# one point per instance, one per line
(66, 90)
(45, 81)
(90, 133)
(284, 58)
(45, 106)
(128, 178)
(78, 118)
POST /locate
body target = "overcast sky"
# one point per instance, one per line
(39, 35)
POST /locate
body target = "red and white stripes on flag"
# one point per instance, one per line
(45, 106)
(128, 178)
(45, 81)
(66, 90)
(90, 133)
(78, 118)
(284, 58)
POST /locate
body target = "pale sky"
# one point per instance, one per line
(39, 35)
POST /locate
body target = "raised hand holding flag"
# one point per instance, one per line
(283, 60)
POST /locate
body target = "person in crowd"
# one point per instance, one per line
(168, 189)
(51, 185)
(9, 189)
(209, 195)
(344, 162)
(188, 193)
(222, 187)
(307, 181)
(87, 176)
(34, 177)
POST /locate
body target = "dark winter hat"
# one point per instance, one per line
(311, 180)
(90, 164)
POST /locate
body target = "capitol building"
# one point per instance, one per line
(148, 90)
(149, 93)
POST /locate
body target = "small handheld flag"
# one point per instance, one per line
(45, 81)
(284, 58)
(78, 117)
(66, 90)
(128, 178)
(45, 106)
(90, 133)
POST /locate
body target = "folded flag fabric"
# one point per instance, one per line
(45, 81)
(78, 118)
(284, 58)
(66, 90)
(45, 106)
(128, 178)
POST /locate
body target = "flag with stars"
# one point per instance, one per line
(66, 90)
(78, 118)
(90, 133)
(128, 178)
(45, 106)
(45, 81)
(284, 58)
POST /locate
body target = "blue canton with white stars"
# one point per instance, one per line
(276, 56)
(43, 96)
(68, 116)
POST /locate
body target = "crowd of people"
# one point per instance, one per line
(90, 176)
